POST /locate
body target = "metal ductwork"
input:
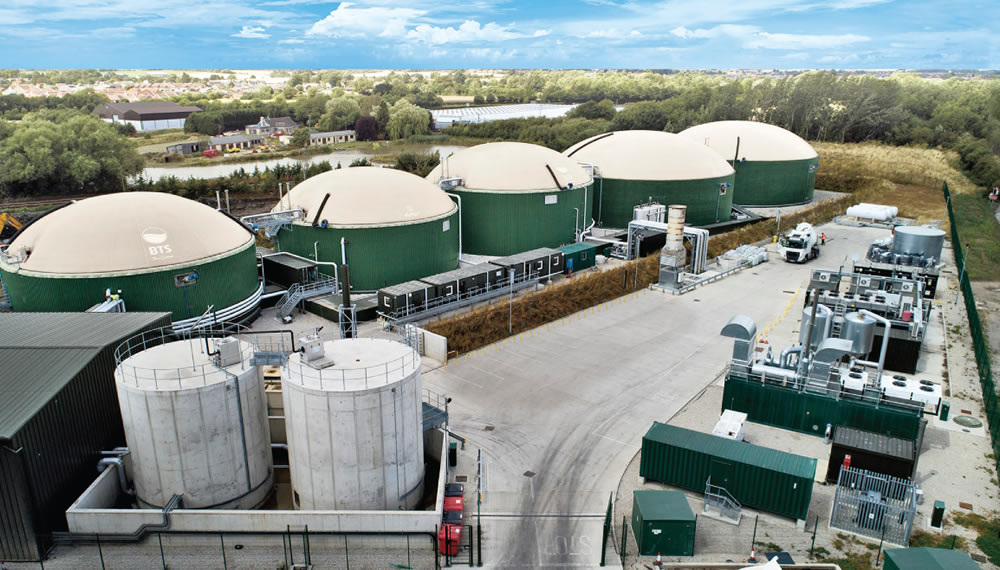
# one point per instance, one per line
(743, 330)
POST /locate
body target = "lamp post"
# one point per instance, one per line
(510, 303)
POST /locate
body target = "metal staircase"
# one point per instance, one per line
(719, 497)
(299, 292)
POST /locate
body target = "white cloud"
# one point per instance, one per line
(292, 41)
(752, 37)
(350, 22)
(767, 40)
(252, 32)
(469, 31)
(541, 33)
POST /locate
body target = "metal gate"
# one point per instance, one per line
(874, 505)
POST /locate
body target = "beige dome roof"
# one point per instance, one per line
(369, 196)
(128, 231)
(649, 155)
(758, 141)
(511, 167)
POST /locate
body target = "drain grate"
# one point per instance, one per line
(461, 478)
(966, 412)
(489, 428)
(967, 506)
(529, 473)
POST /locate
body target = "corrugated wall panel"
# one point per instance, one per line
(17, 535)
(379, 257)
(505, 223)
(222, 283)
(748, 478)
(774, 183)
(616, 199)
(810, 413)
(63, 440)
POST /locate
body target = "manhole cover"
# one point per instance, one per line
(529, 473)
(968, 421)
(697, 300)
(966, 412)
(965, 505)
(489, 428)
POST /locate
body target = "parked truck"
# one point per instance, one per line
(799, 245)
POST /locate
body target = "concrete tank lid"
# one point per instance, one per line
(358, 364)
(920, 231)
(758, 141)
(649, 155)
(369, 196)
(511, 167)
(179, 365)
(126, 232)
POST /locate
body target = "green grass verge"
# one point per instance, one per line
(978, 229)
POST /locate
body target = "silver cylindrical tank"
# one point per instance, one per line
(195, 426)
(860, 330)
(924, 240)
(821, 328)
(354, 423)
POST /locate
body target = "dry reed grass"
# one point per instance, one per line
(852, 167)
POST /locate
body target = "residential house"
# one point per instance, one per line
(268, 126)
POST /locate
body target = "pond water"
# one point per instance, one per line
(344, 157)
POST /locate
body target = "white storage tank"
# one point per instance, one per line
(195, 421)
(354, 422)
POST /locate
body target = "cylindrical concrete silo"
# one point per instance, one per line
(774, 167)
(634, 167)
(163, 252)
(354, 422)
(517, 197)
(195, 422)
(390, 226)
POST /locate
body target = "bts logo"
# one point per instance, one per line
(156, 239)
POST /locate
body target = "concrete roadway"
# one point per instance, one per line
(571, 402)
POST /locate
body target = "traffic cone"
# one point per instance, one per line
(659, 561)
(753, 554)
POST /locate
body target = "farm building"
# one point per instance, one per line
(161, 251)
(517, 196)
(389, 226)
(235, 142)
(60, 411)
(636, 167)
(146, 115)
(774, 167)
(331, 137)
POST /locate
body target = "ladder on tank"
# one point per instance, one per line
(839, 310)
(299, 292)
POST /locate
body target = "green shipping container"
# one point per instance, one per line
(663, 523)
(810, 413)
(928, 559)
(578, 256)
(758, 477)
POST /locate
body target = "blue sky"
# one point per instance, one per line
(444, 34)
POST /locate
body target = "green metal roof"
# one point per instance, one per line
(738, 451)
(41, 352)
(928, 559)
(575, 247)
(663, 505)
